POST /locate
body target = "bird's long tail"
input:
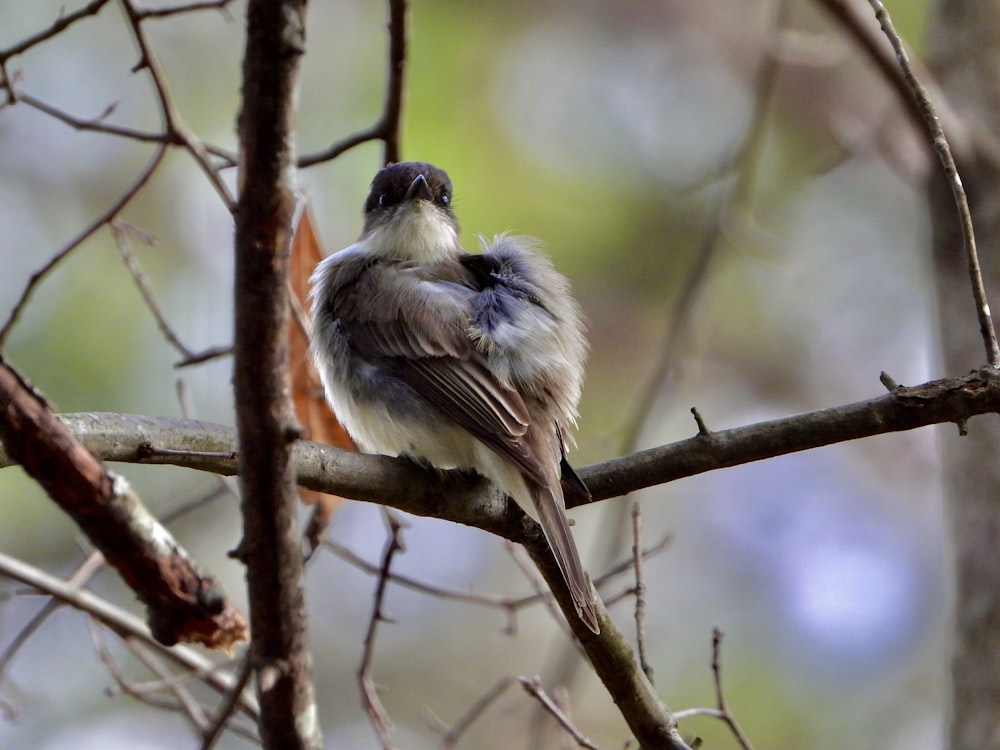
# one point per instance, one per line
(552, 516)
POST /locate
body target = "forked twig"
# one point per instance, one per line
(533, 686)
(721, 710)
(123, 232)
(369, 690)
(173, 123)
(451, 735)
(227, 708)
(386, 128)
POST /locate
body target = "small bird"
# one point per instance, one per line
(456, 359)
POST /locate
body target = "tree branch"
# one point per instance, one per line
(183, 603)
(456, 496)
(386, 128)
(466, 499)
(939, 142)
(124, 624)
(264, 416)
(123, 200)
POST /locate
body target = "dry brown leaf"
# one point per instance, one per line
(314, 414)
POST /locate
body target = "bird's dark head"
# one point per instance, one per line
(408, 213)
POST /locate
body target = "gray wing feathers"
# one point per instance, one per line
(552, 518)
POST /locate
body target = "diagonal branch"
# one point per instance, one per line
(124, 624)
(939, 142)
(177, 129)
(184, 603)
(123, 200)
(58, 26)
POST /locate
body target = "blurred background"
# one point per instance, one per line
(737, 197)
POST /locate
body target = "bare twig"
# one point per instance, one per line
(149, 693)
(943, 150)
(537, 582)
(369, 690)
(454, 733)
(185, 700)
(533, 686)
(122, 232)
(60, 24)
(183, 602)
(720, 696)
(215, 352)
(510, 604)
(228, 707)
(122, 201)
(386, 128)
(470, 597)
(174, 10)
(458, 497)
(98, 125)
(172, 121)
(82, 574)
(640, 590)
(122, 623)
(125, 686)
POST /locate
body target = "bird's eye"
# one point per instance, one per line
(384, 200)
(445, 198)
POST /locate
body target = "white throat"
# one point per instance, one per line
(420, 232)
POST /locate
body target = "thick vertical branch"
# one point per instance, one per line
(267, 428)
(965, 39)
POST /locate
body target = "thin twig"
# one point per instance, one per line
(59, 25)
(454, 733)
(228, 706)
(122, 623)
(150, 698)
(640, 590)
(173, 123)
(109, 214)
(470, 597)
(174, 10)
(530, 572)
(93, 563)
(149, 692)
(369, 691)
(941, 147)
(97, 124)
(720, 695)
(533, 686)
(122, 232)
(510, 604)
(386, 128)
(186, 702)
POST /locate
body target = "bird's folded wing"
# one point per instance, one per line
(447, 372)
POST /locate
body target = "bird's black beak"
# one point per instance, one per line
(418, 189)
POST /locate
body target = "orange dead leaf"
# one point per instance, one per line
(313, 412)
